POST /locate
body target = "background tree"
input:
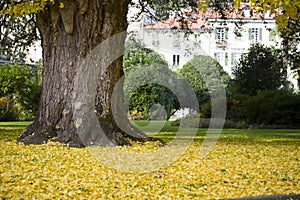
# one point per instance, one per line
(200, 81)
(16, 34)
(18, 86)
(258, 70)
(157, 10)
(288, 21)
(143, 98)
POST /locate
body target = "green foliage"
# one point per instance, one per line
(8, 111)
(23, 7)
(203, 74)
(165, 8)
(149, 95)
(20, 92)
(268, 109)
(144, 69)
(16, 35)
(206, 108)
(196, 81)
(234, 105)
(273, 108)
(192, 119)
(258, 70)
(138, 56)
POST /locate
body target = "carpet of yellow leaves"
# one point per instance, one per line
(232, 169)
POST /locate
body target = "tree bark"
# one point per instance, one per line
(68, 35)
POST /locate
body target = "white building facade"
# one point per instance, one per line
(223, 39)
(227, 41)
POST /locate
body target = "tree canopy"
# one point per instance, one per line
(140, 89)
(201, 73)
(18, 85)
(16, 34)
(25, 7)
(258, 70)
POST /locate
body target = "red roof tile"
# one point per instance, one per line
(200, 20)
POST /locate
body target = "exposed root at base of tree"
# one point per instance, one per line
(37, 134)
(140, 136)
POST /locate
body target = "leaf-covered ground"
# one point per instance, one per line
(237, 167)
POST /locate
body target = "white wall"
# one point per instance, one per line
(35, 53)
(171, 43)
(237, 45)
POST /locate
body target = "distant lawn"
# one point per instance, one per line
(9, 131)
(242, 163)
(15, 124)
(164, 130)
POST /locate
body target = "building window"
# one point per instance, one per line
(221, 58)
(220, 34)
(155, 39)
(272, 35)
(247, 12)
(197, 40)
(176, 40)
(235, 57)
(175, 60)
(255, 35)
(238, 33)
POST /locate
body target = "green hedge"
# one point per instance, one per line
(268, 109)
(277, 109)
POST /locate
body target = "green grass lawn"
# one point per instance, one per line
(9, 131)
(164, 130)
(17, 124)
(242, 163)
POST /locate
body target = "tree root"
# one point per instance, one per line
(38, 134)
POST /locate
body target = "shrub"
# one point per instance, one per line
(7, 110)
(144, 69)
(20, 91)
(234, 105)
(192, 121)
(195, 121)
(241, 124)
(135, 115)
(203, 74)
(273, 108)
(206, 108)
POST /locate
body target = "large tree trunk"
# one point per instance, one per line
(69, 34)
